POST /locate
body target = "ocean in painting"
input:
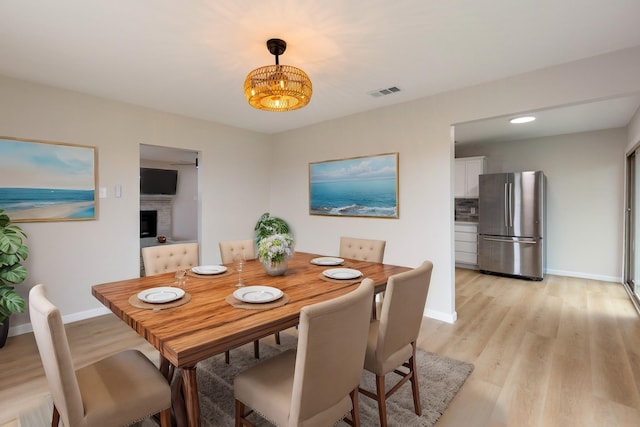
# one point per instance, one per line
(19, 199)
(363, 197)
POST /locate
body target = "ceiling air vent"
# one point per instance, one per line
(383, 92)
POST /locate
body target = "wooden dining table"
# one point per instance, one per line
(208, 324)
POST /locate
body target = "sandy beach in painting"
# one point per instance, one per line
(62, 210)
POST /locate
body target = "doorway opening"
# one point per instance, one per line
(632, 228)
(177, 211)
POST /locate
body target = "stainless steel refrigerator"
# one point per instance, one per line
(511, 224)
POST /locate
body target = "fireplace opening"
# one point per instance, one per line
(148, 223)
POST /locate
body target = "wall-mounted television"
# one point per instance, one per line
(158, 181)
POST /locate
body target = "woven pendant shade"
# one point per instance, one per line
(277, 87)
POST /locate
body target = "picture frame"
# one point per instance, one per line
(47, 181)
(365, 186)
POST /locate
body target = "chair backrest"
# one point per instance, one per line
(332, 341)
(362, 249)
(402, 309)
(53, 347)
(165, 258)
(231, 248)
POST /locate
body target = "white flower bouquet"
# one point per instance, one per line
(275, 248)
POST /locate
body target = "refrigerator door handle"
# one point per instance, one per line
(506, 205)
(493, 239)
(510, 204)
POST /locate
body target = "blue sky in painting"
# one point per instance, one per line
(28, 164)
(376, 167)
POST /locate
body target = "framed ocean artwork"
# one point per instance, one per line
(360, 186)
(47, 181)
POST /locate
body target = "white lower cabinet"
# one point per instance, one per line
(466, 242)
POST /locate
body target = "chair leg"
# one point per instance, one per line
(355, 408)
(415, 388)
(226, 357)
(165, 418)
(256, 349)
(240, 415)
(277, 334)
(382, 400)
(55, 418)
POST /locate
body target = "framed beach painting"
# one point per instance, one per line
(360, 186)
(47, 181)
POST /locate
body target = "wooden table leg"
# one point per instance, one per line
(191, 395)
(177, 401)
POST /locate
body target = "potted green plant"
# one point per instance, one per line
(12, 253)
(268, 225)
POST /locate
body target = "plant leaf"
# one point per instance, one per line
(10, 240)
(15, 273)
(11, 300)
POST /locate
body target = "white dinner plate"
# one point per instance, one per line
(258, 294)
(327, 260)
(209, 269)
(342, 273)
(161, 294)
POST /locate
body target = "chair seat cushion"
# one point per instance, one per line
(388, 364)
(267, 387)
(110, 396)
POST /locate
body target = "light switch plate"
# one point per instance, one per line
(102, 193)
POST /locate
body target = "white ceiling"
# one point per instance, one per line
(605, 114)
(191, 57)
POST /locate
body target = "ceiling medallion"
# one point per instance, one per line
(277, 87)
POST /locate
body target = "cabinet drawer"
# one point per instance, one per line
(466, 237)
(467, 247)
(466, 257)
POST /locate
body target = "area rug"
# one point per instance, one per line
(440, 378)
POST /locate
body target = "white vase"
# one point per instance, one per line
(275, 268)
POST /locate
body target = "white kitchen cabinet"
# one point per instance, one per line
(467, 172)
(466, 244)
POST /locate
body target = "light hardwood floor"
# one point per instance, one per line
(560, 352)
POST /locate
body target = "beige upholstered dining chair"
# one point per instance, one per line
(362, 249)
(228, 251)
(392, 339)
(165, 258)
(116, 391)
(317, 384)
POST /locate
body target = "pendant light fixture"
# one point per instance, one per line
(277, 87)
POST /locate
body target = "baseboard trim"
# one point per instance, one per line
(439, 315)
(70, 318)
(584, 275)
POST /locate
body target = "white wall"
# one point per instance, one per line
(237, 183)
(185, 207)
(585, 196)
(70, 257)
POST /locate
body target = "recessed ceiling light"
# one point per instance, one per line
(523, 119)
